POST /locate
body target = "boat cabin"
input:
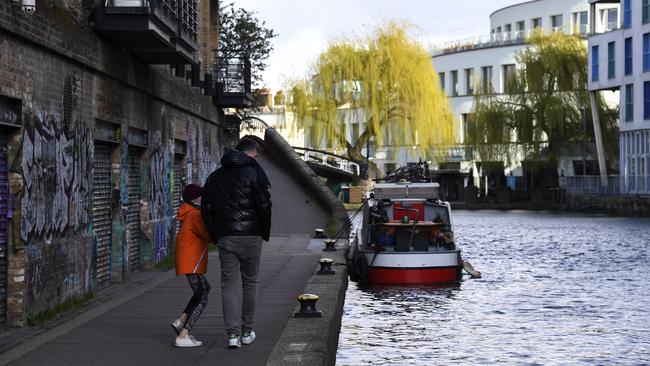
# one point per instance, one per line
(407, 217)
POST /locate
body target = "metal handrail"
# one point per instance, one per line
(616, 185)
(327, 159)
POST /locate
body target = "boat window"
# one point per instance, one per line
(440, 214)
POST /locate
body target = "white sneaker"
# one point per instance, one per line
(234, 341)
(248, 338)
(187, 341)
(177, 326)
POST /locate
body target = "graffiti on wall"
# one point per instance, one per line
(56, 165)
(200, 158)
(56, 273)
(34, 270)
(160, 169)
(161, 174)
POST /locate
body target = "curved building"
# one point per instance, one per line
(468, 67)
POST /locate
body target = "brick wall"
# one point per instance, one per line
(43, 58)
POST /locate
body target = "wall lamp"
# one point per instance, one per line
(29, 6)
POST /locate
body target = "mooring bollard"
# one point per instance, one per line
(329, 245)
(326, 266)
(308, 306)
(319, 233)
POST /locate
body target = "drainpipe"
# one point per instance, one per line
(598, 136)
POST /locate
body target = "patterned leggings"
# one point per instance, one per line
(199, 300)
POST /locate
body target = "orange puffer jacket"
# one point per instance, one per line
(191, 241)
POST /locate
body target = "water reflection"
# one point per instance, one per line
(557, 289)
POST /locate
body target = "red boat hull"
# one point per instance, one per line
(416, 276)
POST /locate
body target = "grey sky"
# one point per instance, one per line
(306, 26)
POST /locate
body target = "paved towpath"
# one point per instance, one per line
(138, 332)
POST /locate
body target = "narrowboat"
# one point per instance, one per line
(406, 238)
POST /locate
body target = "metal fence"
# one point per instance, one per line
(234, 74)
(181, 15)
(332, 160)
(616, 185)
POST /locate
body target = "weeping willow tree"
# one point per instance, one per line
(542, 113)
(385, 82)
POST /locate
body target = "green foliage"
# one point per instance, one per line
(242, 34)
(542, 113)
(386, 82)
(51, 313)
(166, 264)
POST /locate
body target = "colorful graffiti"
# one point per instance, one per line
(56, 165)
(34, 271)
(199, 147)
(160, 190)
(161, 171)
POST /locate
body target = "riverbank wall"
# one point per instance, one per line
(314, 341)
(626, 206)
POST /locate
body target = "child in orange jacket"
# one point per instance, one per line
(192, 261)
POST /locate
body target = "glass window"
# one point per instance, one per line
(580, 22)
(646, 100)
(520, 31)
(628, 56)
(536, 23)
(521, 25)
(454, 83)
(646, 52)
(469, 81)
(629, 103)
(594, 63)
(508, 78)
(645, 11)
(441, 77)
(627, 13)
(611, 60)
(556, 22)
(611, 19)
(487, 79)
(355, 132)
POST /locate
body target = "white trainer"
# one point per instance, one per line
(187, 341)
(248, 338)
(234, 341)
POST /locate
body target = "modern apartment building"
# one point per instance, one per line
(619, 59)
(468, 67)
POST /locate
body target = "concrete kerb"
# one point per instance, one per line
(314, 341)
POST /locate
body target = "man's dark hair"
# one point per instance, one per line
(248, 145)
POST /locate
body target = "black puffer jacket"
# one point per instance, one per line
(234, 201)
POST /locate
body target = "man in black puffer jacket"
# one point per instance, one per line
(236, 210)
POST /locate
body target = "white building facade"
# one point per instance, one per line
(619, 59)
(468, 67)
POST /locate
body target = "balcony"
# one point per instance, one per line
(494, 40)
(155, 31)
(233, 83)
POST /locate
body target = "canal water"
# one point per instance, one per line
(557, 289)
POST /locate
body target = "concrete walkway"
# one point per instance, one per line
(138, 332)
(133, 327)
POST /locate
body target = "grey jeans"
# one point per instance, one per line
(240, 264)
